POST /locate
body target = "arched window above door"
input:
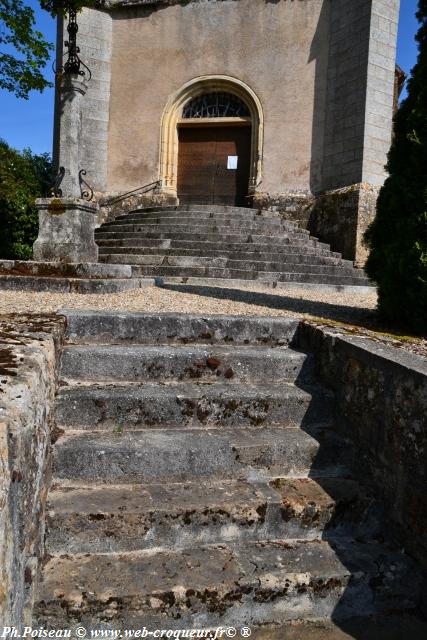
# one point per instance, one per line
(216, 105)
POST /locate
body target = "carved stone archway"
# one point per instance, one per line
(172, 117)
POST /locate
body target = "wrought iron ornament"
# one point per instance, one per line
(85, 188)
(55, 190)
(216, 105)
(74, 64)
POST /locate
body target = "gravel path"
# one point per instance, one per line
(251, 300)
(356, 309)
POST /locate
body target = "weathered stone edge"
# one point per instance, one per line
(28, 364)
(381, 401)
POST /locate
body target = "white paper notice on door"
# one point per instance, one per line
(232, 162)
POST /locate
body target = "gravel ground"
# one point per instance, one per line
(201, 299)
(356, 309)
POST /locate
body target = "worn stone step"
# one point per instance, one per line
(386, 626)
(225, 273)
(100, 519)
(73, 285)
(204, 245)
(358, 278)
(205, 216)
(203, 363)
(240, 214)
(171, 455)
(238, 265)
(283, 258)
(81, 270)
(217, 236)
(246, 584)
(134, 406)
(200, 208)
(202, 224)
(104, 327)
(214, 285)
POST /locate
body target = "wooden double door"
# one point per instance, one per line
(214, 165)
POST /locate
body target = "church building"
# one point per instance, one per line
(280, 104)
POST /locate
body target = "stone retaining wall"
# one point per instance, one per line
(381, 396)
(28, 357)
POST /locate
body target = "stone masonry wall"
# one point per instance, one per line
(28, 354)
(276, 48)
(381, 396)
(359, 105)
(380, 89)
(340, 217)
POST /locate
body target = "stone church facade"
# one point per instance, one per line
(284, 104)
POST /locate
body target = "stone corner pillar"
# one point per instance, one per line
(340, 217)
(72, 90)
(66, 230)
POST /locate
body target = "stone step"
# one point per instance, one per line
(72, 285)
(182, 455)
(218, 235)
(180, 405)
(251, 215)
(138, 363)
(116, 518)
(202, 247)
(225, 273)
(389, 626)
(205, 212)
(106, 327)
(215, 286)
(246, 584)
(224, 225)
(283, 258)
(203, 208)
(84, 270)
(238, 265)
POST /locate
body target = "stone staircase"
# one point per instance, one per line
(200, 480)
(219, 242)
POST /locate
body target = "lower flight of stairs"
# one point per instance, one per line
(200, 480)
(219, 242)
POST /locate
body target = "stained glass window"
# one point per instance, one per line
(216, 105)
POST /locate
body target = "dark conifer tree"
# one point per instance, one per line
(398, 236)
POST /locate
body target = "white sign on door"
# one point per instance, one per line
(232, 162)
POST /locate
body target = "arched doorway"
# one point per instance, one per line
(212, 132)
(214, 150)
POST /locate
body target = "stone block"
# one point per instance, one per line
(66, 231)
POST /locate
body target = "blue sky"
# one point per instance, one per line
(28, 123)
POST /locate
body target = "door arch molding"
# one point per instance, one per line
(172, 117)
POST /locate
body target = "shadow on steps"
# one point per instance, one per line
(383, 582)
(341, 313)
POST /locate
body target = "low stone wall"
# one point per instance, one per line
(28, 357)
(295, 206)
(341, 217)
(381, 396)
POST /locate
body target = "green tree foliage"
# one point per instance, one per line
(23, 50)
(23, 178)
(398, 236)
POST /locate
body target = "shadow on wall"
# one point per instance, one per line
(319, 54)
(340, 52)
(378, 584)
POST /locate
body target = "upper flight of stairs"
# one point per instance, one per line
(220, 242)
(200, 480)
